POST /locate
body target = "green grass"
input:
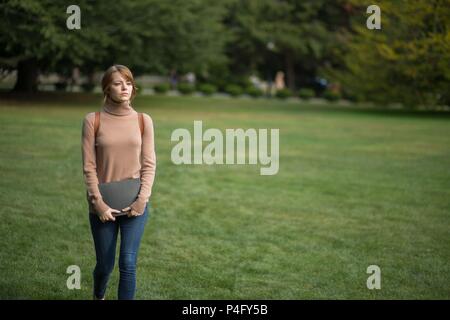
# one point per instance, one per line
(354, 188)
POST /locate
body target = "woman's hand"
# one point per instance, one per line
(131, 212)
(107, 215)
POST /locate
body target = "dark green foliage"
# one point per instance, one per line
(185, 88)
(233, 90)
(331, 95)
(253, 91)
(161, 88)
(306, 93)
(283, 93)
(207, 89)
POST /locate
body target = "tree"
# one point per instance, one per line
(273, 35)
(34, 37)
(406, 61)
(146, 35)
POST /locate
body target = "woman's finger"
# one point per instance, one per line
(132, 213)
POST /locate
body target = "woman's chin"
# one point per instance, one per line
(121, 99)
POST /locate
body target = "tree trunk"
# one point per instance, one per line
(289, 64)
(27, 76)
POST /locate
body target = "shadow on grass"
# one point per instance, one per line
(379, 111)
(76, 99)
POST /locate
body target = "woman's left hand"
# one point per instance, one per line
(131, 212)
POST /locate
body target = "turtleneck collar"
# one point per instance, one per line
(118, 109)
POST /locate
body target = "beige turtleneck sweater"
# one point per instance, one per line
(120, 153)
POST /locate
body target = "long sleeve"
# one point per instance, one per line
(90, 165)
(148, 165)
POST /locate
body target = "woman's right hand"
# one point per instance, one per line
(107, 215)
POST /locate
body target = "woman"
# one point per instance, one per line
(117, 152)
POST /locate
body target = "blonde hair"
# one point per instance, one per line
(107, 79)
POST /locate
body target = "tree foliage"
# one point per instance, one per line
(407, 61)
(147, 35)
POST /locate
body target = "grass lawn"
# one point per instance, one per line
(354, 188)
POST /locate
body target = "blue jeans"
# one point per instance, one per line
(105, 239)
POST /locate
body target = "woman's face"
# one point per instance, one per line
(120, 89)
